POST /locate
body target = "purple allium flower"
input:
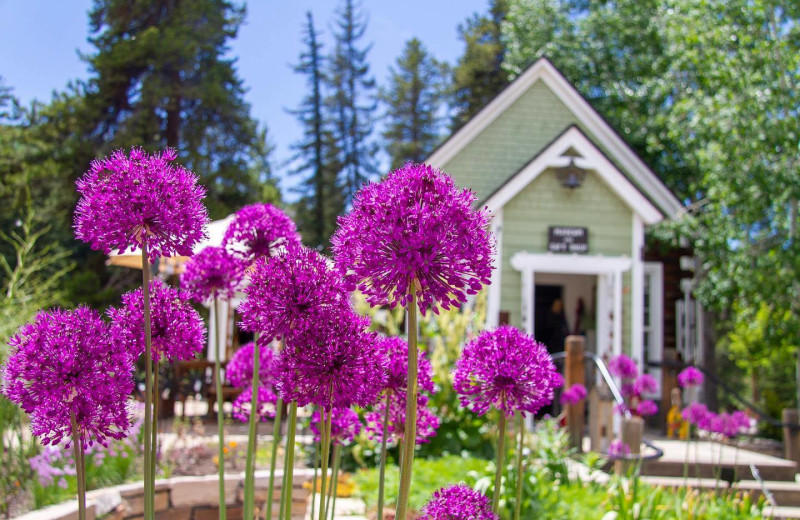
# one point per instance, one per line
(397, 350)
(623, 367)
(127, 199)
(574, 394)
(646, 408)
(177, 330)
(67, 362)
(266, 403)
(290, 292)
(741, 420)
(618, 449)
(696, 414)
(415, 225)
(212, 273)
(345, 425)
(458, 502)
(645, 384)
(427, 421)
(558, 380)
(336, 364)
(689, 377)
(239, 369)
(627, 390)
(504, 368)
(259, 230)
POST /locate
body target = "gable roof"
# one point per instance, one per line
(573, 145)
(619, 152)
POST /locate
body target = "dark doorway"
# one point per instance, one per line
(549, 320)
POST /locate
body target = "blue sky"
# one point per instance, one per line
(40, 40)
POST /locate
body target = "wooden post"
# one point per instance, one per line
(632, 432)
(601, 421)
(791, 436)
(575, 373)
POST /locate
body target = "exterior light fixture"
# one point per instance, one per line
(571, 176)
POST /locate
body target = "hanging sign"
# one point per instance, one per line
(565, 239)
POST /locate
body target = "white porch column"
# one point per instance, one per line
(637, 293)
(528, 303)
(617, 312)
(493, 296)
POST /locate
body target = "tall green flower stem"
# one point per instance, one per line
(220, 401)
(154, 441)
(325, 420)
(314, 480)
(250, 461)
(410, 433)
(686, 458)
(382, 474)
(283, 490)
(289, 461)
(520, 446)
(334, 485)
(501, 451)
(276, 435)
(80, 470)
(149, 478)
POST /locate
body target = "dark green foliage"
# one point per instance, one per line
(352, 101)
(414, 101)
(317, 153)
(479, 76)
(160, 77)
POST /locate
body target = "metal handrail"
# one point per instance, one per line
(612, 386)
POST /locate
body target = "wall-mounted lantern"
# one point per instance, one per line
(571, 176)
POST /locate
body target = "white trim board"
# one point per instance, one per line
(592, 159)
(543, 70)
(569, 264)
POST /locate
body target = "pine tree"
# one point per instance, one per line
(160, 78)
(353, 102)
(414, 100)
(479, 75)
(316, 153)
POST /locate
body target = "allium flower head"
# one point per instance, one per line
(646, 408)
(397, 382)
(558, 380)
(623, 367)
(458, 502)
(345, 425)
(689, 377)
(177, 330)
(239, 369)
(504, 368)
(66, 361)
(427, 421)
(574, 394)
(618, 449)
(645, 384)
(291, 291)
(127, 199)
(212, 273)
(334, 365)
(696, 414)
(415, 225)
(259, 230)
(266, 401)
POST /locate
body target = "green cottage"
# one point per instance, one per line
(572, 204)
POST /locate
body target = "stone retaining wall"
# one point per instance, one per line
(181, 498)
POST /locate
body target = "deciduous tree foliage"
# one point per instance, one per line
(707, 94)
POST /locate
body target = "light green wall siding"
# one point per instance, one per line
(510, 141)
(545, 203)
(516, 136)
